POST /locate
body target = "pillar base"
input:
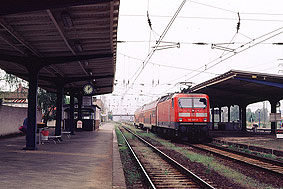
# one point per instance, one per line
(30, 148)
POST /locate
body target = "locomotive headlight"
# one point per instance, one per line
(205, 120)
(180, 119)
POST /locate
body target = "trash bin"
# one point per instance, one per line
(44, 135)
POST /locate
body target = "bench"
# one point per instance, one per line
(67, 133)
(54, 138)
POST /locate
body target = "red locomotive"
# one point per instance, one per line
(178, 116)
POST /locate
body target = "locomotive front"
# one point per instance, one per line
(192, 116)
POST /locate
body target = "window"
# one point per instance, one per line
(172, 102)
(192, 102)
(185, 103)
(199, 102)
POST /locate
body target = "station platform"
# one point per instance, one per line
(261, 142)
(88, 159)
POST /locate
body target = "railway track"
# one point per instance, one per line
(262, 163)
(160, 170)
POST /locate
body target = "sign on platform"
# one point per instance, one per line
(275, 117)
(87, 101)
(79, 124)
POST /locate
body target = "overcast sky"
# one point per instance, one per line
(199, 25)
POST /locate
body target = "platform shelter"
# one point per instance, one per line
(242, 88)
(59, 46)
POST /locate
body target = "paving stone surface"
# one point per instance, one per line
(83, 161)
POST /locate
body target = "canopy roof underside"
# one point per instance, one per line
(241, 88)
(73, 42)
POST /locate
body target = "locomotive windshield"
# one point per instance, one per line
(192, 102)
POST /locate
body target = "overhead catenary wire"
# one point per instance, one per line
(206, 18)
(197, 43)
(229, 55)
(211, 6)
(222, 60)
(150, 54)
(167, 66)
(248, 43)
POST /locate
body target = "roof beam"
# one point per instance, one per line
(238, 92)
(20, 39)
(7, 40)
(111, 25)
(46, 61)
(67, 59)
(12, 32)
(50, 14)
(19, 6)
(69, 79)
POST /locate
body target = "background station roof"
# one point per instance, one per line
(74, 41)
(241, 88)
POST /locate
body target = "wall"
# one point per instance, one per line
(97, 118)
(11, 118)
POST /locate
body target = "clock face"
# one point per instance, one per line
(88, 89)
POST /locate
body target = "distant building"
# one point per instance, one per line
(123, 118)
(17, 98)
(103, 113)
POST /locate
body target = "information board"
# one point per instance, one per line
(87, 100)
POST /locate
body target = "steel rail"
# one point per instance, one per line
(261, 165)
(275, 162)
(148, 179)
(174, 163)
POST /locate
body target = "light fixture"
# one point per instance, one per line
(67, 21)
(78, 46)
(85, 62)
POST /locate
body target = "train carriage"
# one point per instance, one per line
(177, 115)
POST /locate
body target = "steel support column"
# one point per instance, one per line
(59, 105)
(80, 103)
(273, 110)
(212, 117)
(32, 107)
(243, 118)
(229, 113)
(240, 114)
(72, 109)
(219, 114)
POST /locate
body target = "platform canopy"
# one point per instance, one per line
(71, 41)
(241, 88)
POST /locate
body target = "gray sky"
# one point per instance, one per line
(200, 21)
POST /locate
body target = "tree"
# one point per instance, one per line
(234, 113)
(47, 102)
(251, 116)
(110, 116)
(13, 81)
(263, 115)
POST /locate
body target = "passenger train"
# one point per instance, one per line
(176, 116)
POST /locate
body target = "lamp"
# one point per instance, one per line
(67, 21)
(78, 46)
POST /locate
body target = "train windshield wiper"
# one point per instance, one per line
(180, 104)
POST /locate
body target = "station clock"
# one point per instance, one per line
(88, 89)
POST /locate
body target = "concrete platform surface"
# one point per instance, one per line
(259, 140)
(86, 160)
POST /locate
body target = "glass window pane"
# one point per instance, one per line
(185, 103)
(199, 102)
(192, 102)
